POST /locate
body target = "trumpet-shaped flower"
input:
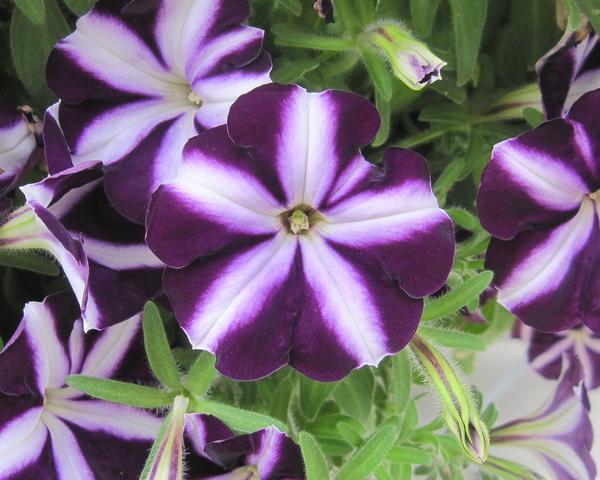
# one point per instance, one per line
(558, 437)
(286, 246)
(19, 137)
(547, 349)
(47, 429)
(539, 198)
(569, 70)
(137, 79)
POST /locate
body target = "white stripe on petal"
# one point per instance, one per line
(241, 291)
(544, 179)
(118, 420)
(394, 214)
(543, 271)
(345, 302)
(110, 51)
(266, 458)
(120, 257)
(69, 460)
(109, 349)
(552, 354)
(16, 144)
(51, 361)
(21, 443)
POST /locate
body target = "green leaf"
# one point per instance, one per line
(355, 393)
(315, 462)
(454, 338)
(313, 395)
(423, 14)
(379, 73)
(345, 14)
(289, 36)
(201, 374)
(34, 10)
(463, 219)
(120, 392)
(158, 350)
(79, 7)
(382, 474)
(403, 454)
(533, 116)
(468, 18)
(281, 399)
(365, 9)
(454, 300)
(401, 380)
(31, 261)
(292, 71)
(448, 178)
(30, 45)
(244, 421)
(366, 460)
(292, 6)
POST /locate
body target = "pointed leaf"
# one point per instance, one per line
(367, 458)
(401, 380)
(355, 393)
(201, 374)
(31, 261)
(313, 395)
(468, 19)
(454, 338)
(34, 10)
(315, 462)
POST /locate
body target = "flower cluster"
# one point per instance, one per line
(176, 171)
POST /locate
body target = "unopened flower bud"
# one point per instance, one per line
(458, 408)
(411, 60)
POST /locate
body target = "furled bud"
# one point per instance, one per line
(166, 457)
(458, 408)
(411, 60)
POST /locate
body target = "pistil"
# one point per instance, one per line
(298, 222)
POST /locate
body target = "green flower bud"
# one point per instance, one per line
(411, 60)
(457, 405)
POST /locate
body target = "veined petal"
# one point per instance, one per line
(239, 297)
(313, 138)
(217, 200)
(22, 443)
(414, 240)
(116, 420)
(539, 177)
(56, 151)
(69, 461)
(546, 271)
(351, 315)
(585, 111)
(17, 144)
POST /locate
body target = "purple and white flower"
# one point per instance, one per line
(19, 145)
(286, 246)
(539, 198)
(137, 79)
(547, 349)
(558, 437)
(48, 430)
(122, 273)
(569, 70)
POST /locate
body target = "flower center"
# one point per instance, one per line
(249, 472)
(299, 219)
(195, 99)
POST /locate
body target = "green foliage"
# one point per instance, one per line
(468, 17)
(315, 462)
(369, 456)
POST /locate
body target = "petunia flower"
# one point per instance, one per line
(19, 145)
(570, 69)
(286, 246)
(48, 430)
(547, 349)
(558, 437)
(539, 199)
(137, 79)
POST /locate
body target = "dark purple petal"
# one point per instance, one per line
(542, 271)
(538, 178)
(585, 111)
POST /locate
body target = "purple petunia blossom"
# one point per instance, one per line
(286, 246)
(558, 437)
(569, 70)
(19, 137)
(539, 199)
(547, 349)
(136, 80)
(48, 430)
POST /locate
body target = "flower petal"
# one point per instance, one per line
(585, 111)
(22, 444)
(414, 240)
(219, 199)
(543, 271)
(539, 178)
(313, 138)
(240, 298)
(352, 314)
